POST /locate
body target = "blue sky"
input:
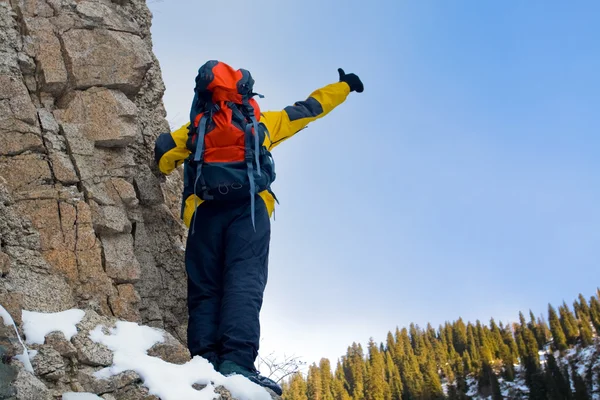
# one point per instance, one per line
(464, 181)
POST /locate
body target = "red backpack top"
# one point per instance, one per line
(228, 160)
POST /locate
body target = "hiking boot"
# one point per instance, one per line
(230, 368)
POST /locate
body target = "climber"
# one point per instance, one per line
(227, 203)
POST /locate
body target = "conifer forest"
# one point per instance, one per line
(551, 357)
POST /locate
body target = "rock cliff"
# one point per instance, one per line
(85, 220)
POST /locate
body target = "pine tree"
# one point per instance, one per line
(585, 331)
(412, 330)
(419, 343)
(285, 386)
(543, 335)
(532, 322)
(326, 379)
(454, 393)
(539, 330)
(537, 386)
(296, 389)
(313, 383)
(531, 361)
(509, 339)
(459, 336)
(496, 338)
(432, 387)
(468, 365)
(520, 344)
(432, 336)
(448, 333)
(442, 358)
(487, 346)
(488, 382)
(569, 324)
(504, 353)
(480, 333)
(473, 348)
(558, 335)
(412, 380)
(390, 345)
(460, 387)
(531, 355)
(581, 391)
(375, 383)
(339, 391)
(485, 353)
(355, 371)
(557, 387)
(508, 362)
(398, 348)
(583, 307)
(393, 378)
(340, 385)
(595, 313)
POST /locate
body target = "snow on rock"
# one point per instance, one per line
(26, 356)
(8, 321)
(37, 325)
(130, 343)
(80, 396)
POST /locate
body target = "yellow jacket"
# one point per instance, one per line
(171, 151)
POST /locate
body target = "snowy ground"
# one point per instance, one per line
(130, 343)
(586, 359)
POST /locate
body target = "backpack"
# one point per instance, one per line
(225, 138)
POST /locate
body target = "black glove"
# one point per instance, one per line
(352, 80)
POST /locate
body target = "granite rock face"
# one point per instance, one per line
(85, 221)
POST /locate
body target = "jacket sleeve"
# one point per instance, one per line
(170, 149)
(284, 124)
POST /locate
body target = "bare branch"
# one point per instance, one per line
(279, 369)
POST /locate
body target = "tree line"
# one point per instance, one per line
(426, 363)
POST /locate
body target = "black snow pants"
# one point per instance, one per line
(226, 262)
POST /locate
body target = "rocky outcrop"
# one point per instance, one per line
(81, 364)
(79, 111)
(85, 220)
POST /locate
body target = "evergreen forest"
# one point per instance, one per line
(536, 358)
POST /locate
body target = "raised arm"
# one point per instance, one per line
(286, 123)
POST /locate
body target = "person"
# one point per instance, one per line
(227, 248)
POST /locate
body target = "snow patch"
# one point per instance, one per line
(542, 357)
(80, 396)
(130, 343)
(472, 385)
(6, 317)
(26, 356)
(37, 325)
(104, 373)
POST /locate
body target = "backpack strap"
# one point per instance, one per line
(199, 157)
(250, 169)
(238, 116)
(254, 125)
